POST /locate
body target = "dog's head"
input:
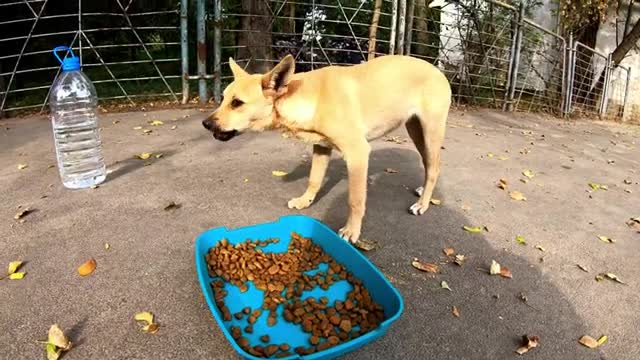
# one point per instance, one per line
(248, 102)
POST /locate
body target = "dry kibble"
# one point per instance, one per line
(283, 279)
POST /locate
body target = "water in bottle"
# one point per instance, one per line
(73, 103)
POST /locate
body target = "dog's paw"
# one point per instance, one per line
(419, 190)
(418, 208)
(300, 203)
(349, 234)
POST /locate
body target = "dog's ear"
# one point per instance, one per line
(278, 78)
(237, 71)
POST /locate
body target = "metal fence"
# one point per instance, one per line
(136, 52)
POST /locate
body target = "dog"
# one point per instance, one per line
(342, 108)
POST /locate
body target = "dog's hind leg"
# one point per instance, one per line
(427, 132)
(319, 164)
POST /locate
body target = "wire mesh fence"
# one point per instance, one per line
(493, 54)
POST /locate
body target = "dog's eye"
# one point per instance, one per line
(236, 103)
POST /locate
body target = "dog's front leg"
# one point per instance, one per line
(319, 164)
(357, 159)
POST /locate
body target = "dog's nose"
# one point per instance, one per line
(208, 124)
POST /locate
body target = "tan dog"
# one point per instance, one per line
(343, 108)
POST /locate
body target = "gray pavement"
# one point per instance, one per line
(150, 263)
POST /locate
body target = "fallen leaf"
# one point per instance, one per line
(528, 173)
(448, 251)
(53, 353)
(588, 341)
(627, 181)
(503, 158)
(594, 186)
(540, 248)
(144, 316)
(172, 205)
(424, 266)
(528, 343)
(489, 155)
(144, 155)
(599, 277)
(22, 213)
(459, 260)
(107, 246)
(582, 267)
(435, 201)
(517, 195)
(158, 156)
(174, 127)
(366, 245)
(155, 123)
(524, 181)
(57, 338)
(613, 277)
(147, 131)
(151, 328)
(278, 173)
(634, 223)
(606, 239)
(137, 128)
(502, 184)
(87, 268)
(494, 269)
(628, 191)
(603, 339)
(520, 239)
(17, 275)
(390, 171)
(246, 180)
(465, 207)
(22, 166)
(455, 311)
(472, 229)
(506, 273)
(14, 266)
(444, 285)
(115, 122)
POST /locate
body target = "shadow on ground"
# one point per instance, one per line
(492, 310)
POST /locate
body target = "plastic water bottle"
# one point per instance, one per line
(73, 103)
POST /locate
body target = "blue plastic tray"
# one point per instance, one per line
(284, 332)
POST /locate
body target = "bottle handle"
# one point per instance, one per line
(59, 48)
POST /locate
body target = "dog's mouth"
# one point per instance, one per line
(224, 135)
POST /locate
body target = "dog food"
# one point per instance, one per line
(283, 278)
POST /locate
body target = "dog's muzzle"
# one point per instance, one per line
(218, 134)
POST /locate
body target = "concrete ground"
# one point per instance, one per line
(150, 263)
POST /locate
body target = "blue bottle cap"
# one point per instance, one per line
(68, 63)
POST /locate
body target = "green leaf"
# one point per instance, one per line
(472, 229)
(603, 339)
(52, 352)
(520, 239)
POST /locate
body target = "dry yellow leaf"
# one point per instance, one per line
(144, 316)
(517, 195)
(144, 155)
(22, 166)
(151, 328)
(87, 268)
(158, 156)
(17, 275)
(106, 246)
(495, 268)
(528, 173)
(155, 123)
(147, 131)
(13, 266)
(278, 173)
(57, 338)
(588, 341)
(503, 158)
(606, 239)
(603, 339)
(174, 127)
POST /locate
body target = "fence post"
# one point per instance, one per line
(184, 48)
(217, 50)
(201, 51)
(568, 81)
(514, 61)
(625, 103)
(394, 24)
(402, 13)
(409, 27)
(604, 99)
